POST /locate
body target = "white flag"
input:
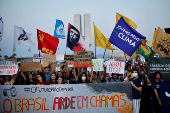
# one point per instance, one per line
(1, 28)
(21, 37)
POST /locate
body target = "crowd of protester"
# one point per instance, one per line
(146, 92)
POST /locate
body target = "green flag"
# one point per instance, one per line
(142, 52)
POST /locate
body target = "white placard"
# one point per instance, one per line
(97, 64)
(8, 67)
(57, 68)
(115, 67)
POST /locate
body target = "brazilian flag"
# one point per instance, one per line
(143, 53)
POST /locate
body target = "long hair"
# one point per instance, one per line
(42, 75)
(62, 80)
(5, 79)
(55, 76)
(154, 76)
(85, 75)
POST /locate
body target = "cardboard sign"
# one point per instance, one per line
(82, 59)
(115, 67)
(8, 67)
(14, 60)
(69, 57)
(57, 65)
(98, 64)
(48, 58)
(57, 68)
(89, 98)
(30, 66)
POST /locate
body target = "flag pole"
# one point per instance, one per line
(39, 57)
(112, 54)
(65, 50)
(125, 56)
(105, 49)
(94, 41)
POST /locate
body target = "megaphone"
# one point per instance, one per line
(10, 92)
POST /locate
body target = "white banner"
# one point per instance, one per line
(8, 67)
(71, 98)
(115, 67)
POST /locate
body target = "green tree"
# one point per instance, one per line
(5, 57)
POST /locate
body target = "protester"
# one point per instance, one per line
(53, 79)
(145, 95)
(156, 80)
(40, 79)
(60, 80)
(136, 90)
(129, 73)
(73, 76)
(47, 74)
(83, 78)
(30, 80)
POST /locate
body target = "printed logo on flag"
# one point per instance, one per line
(125, 37)
(59, 29)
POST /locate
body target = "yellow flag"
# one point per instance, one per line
(101, 40)
(133, 56)
(154, 37)
(128, 21)
(162, 43)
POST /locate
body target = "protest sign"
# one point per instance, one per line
(165, 96)
(70, 63)
(69, 57)
(105, 98)
(57, 68)
(97, 64)
(14, 60)
(82, 59)
(47, 59)
(8, 67)
(115, 67)
(36, 58)
(159, 64)
(57, 65)
(30, 66)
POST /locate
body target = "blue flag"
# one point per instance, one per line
(125, 37)
(59, 29)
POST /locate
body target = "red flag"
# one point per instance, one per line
(47, 43)
(74, 40)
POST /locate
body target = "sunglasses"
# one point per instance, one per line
(38, 76)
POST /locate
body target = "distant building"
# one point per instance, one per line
(77, 22)
(87, 30)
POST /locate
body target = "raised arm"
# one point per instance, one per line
(68, 72)
(91, 74)
(23, 75)
(75, 76)
(16, 75)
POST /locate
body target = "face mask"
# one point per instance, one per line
(83, 78)
(134, 75)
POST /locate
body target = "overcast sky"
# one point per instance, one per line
(42, 14)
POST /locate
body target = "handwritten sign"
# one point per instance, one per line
(82, 59)
(47, 59)
(70, 63)
(69, 57)
(115, 67)
(98, 64)
(8, 67)
(30, 66)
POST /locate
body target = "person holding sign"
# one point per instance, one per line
(136, 90)
(115, 78)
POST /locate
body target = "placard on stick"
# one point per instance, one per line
(98, 64)
(30, 66)
(82, 59)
